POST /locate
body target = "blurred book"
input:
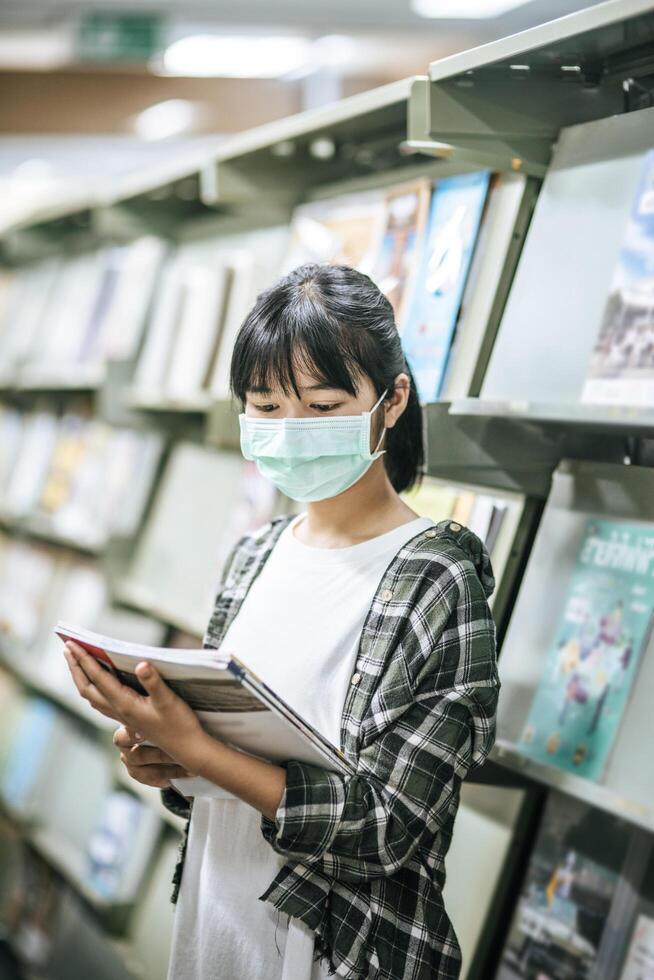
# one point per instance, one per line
(343, 230)
(39, 740)
(185, 327)
(400, 250)
(137, 267)
(75, 477)
(120, 847)
(198, 329)
(592, 664)
(61, 333)
(81, 594)
(31, 463)
(242, 293)
(27, 577)
(71, 316)
(11, 430)
(454, 218)
(25, 310)
(621, 370)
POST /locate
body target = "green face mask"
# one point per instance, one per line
(311, 459)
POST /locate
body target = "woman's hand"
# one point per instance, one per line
(161, 717)
(146, 763)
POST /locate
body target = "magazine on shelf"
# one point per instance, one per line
(622, 365)
(562, 914)
(231, 701)
(455, 214)
(591, 665)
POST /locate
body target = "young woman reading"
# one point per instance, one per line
(373, 623)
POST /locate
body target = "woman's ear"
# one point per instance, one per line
(397, 400)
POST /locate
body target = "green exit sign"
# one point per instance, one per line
(119, 36)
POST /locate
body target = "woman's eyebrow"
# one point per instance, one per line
(319, 387)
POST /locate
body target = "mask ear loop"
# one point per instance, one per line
(383, 432)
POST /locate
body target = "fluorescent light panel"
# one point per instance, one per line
(234, 56)
(465, 9)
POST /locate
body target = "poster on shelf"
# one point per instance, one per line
(639, 963)
(621, 370)
(455, 215)
(591, 665)
(560, 917)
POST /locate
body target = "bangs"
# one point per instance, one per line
(273, 346)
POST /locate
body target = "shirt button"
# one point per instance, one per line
(387, 595)
(355, 679)
(430, 534)
(455, 527)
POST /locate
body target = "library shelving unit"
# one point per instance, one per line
(559, 117)
(570, 101)
(560, 99)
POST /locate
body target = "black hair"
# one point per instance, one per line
(335, 323)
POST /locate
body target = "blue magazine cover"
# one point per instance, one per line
(454, 217)
(601, 636)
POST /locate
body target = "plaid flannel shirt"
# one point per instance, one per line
(365, 853)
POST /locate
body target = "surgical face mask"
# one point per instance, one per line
(311, 459)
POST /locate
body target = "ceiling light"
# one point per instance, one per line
(36, 50)
(234, 56)
(465, 9)
(165, 119)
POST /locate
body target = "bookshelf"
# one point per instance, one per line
(211, 232)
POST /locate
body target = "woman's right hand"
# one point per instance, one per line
(146, 763)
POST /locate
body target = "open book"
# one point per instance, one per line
(231, 702)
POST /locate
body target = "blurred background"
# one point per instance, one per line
(94, 90)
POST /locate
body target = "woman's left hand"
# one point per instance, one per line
(161, 718)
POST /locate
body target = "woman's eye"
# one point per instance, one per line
(325, 408)
(265, 408)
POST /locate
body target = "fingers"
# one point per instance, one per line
(87, 689)
(98, 686)
(153, 683)
(157, 776)
(146, 755)
(125, 737)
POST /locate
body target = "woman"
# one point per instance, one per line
(370, 621)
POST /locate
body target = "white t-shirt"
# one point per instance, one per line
(298, 629)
